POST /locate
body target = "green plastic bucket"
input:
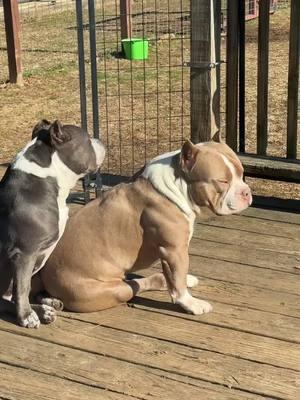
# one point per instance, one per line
(135, 49)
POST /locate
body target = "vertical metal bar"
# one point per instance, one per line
(119, 49)
(132, 116)
(232, 73)
(82, 86)
(242, 76)
(93, 56)
(293, 80)
(103, 10)
(95, 104)
(262, 77)
(12, 29)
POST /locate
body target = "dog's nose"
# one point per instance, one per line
(99, 150)
(246, 194)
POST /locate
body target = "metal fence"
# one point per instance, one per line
(144, 104)
(275, 101)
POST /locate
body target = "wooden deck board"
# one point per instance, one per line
(278, 260)
(241, 318)
(247, 348)
(23, 383)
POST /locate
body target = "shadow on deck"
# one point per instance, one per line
(247, 348)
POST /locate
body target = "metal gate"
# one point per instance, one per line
(139, 107)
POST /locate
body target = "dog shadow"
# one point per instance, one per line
(138, 302)
(7, 317)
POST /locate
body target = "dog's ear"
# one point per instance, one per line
(58, 136)
(188, 155)
(217, 137)
(44, 124)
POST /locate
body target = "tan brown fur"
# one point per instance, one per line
(133, 225)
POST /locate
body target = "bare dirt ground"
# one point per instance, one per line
(132, 95)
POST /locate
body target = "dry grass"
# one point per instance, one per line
(129, 125)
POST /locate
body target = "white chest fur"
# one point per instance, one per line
(65, 178)
(161, 174)
(63, 215)
(191, 220)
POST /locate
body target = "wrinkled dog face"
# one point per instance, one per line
(215, 177)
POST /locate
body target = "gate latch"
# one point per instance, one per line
(203, 65)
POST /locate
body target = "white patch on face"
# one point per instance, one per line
(99, 151)
(231, 203)
(57, 169)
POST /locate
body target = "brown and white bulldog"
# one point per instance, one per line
(133, 225)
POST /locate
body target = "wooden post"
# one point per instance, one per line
(205, 78)
(262, 77)
(293, 80)
(232, 50)
(126, 18)
(12, 29)
(242, 73)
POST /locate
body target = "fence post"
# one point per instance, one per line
(232, 57)
(242, 71)
(12, 29)
(205, 77)
(293, 80)
(263, 76)
(126, 18)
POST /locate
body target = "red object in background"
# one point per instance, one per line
(251, 8)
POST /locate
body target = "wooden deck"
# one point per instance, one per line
(247, 348)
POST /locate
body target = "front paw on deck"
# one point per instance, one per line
(30, 321)
(198, 307)
(192, 305)
(46, 313)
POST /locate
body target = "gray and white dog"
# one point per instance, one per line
(33, 210)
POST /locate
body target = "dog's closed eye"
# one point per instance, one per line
(221, 185)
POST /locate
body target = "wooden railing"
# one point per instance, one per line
(258, 164)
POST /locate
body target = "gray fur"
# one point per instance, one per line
(29, 214)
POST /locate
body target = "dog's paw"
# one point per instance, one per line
(57, 304)
(46, 313)
(192, 305)
(30, 321)
(191, 281)
(198, 307)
